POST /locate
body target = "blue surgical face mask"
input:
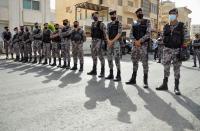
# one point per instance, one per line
(172, 17)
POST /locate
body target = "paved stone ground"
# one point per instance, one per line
(42, 98)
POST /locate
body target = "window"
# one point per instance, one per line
(130, 3)
(27, 4)
(154, 8)
(120, 2)
(119, 18)
(129, 20)
(35, 5)
(31, 4)
(3, 3)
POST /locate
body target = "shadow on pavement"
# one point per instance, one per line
(188, 104)
(97, 92)
(70, 78)
(163, 111)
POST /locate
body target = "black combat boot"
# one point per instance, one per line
(132, 81)
(68, 65)
(54, 62)
(45, 61)
(25, 60)
(118, 77)
(22, 59)
(74, 67)
(35, 60)
(12, 56)
(64, 65)
(59, 64)
(30, 59)
(102, 73)
(176, 89)
(49, 61)
(110, 76)
(146, 81)
(6, 56)
(17, 59)
(81, 68)
(93, 71)
(40, 60)
(159, 61)
(164, 86)
(194, 65)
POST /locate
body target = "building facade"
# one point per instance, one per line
(194, 30)
(125, 11)
(14, 13)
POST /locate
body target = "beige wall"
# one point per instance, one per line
(125, 11)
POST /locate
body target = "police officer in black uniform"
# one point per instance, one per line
(56, 45)
(15, 42)
(21, 43)
(114, 30)
(37, 43)
(27, 46)
(46, 39)
(175, 36)
(7, 40)
(98, 34)
(140, 35)
(66, 43)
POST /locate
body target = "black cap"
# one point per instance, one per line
(95, 13)
(140, 9)
(45, 23)
(65, 20)
(6, 27)
(35, 23)
(113, 12)
(56, 24)
(15, 28)
(174, 10)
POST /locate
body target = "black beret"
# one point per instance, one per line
(6, 27)
(36, 23)
(113, 12)
(56, 25)
(65, 20)
(140, 9)
(95, 13)
(45, 23)
(174, 10)
(15, 28)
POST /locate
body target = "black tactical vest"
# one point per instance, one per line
(139, 30)
(35, 32)
(7, 35)
(173, 39)
(46, 36)
(27, 36)
(65, 29)
(76, 35)
(15, 38)
(113, 30)
(96, 32)
(21, 33)
(56, 39)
